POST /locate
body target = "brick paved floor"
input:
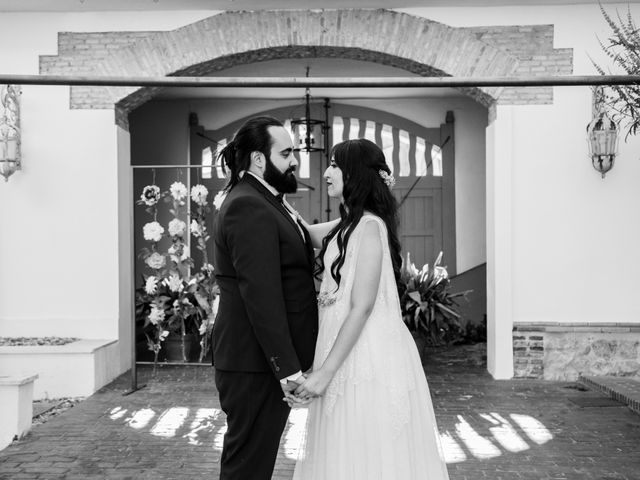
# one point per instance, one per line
(498, 430)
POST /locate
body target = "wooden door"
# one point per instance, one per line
(421, 159)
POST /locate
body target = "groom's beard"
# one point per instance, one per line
(283, 182)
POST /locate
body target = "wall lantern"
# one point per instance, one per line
(602, 135)
(9, 130)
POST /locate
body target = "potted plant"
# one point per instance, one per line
(428, 307)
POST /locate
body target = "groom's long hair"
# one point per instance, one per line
(363, 189)
(253, 136)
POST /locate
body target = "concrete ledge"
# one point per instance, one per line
(76, 369)
(16, 405)
(623, 389)
(600, 327)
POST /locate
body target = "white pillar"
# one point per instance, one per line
(499, 243)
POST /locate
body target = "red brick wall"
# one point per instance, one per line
(415, 44)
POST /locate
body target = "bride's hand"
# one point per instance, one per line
(315, 384)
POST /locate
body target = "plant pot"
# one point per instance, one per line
(172, 346)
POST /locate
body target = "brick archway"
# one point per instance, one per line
(415, 44)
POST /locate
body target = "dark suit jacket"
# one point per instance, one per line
(268, 315)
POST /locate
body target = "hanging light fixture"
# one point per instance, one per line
(308, 133)
(602, 135)
(10, 160)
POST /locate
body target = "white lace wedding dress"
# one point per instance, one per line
(375, 420)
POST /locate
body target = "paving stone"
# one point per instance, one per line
(498, 430)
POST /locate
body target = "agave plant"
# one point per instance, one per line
(428, 308)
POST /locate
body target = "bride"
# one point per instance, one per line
(371, 415)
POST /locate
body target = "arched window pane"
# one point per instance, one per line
(338, 130)
(421, 160)
(207, 159)
(219, 172)
(403, 153)
(303, 167)
(370, 131)
(354, 128)
(387, 145)
(436, 160)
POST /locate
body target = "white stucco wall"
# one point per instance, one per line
(572, 236)
(570, 253)
(59, 232)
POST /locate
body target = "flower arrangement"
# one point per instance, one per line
(428, 308)
(174, 299)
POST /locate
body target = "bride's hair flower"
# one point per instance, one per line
(150, 195)
(388, 179)
(174, 282)
(156, 315)
(153, 231)
(156, 261)
(178, 190)
(177, 227)
(219, 198)
(151, 285)
(196, 229)
(199, 194)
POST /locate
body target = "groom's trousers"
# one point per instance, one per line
(256, 417)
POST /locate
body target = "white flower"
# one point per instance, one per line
(219, 198)
(199, 194)
(196, 229)
(177, 227)
(150, 195)
(207, 267)
(157, 314)
(153, 231)
(174, 282)
(151, 285)
(156, 261)
(178, 190)
(163, 335)
(175, 248)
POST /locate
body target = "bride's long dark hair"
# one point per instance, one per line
(364, 189)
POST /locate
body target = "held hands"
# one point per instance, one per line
(313, 385)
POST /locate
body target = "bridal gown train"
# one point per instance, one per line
(375, 420)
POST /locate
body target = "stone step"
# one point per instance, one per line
(623, 389)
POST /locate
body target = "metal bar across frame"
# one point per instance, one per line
(338, 82)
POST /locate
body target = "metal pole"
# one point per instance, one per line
(354, 82)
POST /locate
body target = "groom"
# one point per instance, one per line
(265, 332)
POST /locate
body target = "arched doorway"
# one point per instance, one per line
(422, 160)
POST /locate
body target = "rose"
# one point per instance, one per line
(156, 261)
(196, 229)
(219, 198)
(150, 195)
(199, 194)
(178, 190)
(151, 285)
(156, 315)
(153, 231)
(177, 227)
(163, 335)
